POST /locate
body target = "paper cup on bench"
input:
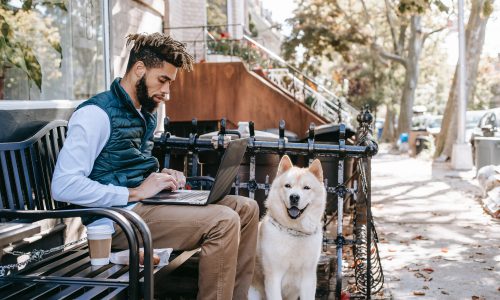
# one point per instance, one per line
(99, 239)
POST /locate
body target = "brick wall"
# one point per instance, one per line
(187, 13)
(131, 16)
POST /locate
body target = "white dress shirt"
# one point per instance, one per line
(88, 132)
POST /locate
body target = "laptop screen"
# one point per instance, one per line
(228, 169)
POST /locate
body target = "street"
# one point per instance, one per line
(436, 242)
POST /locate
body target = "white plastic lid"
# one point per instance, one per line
(100, 229)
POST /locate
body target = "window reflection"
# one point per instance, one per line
(77, 26)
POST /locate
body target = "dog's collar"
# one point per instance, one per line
(291, 231)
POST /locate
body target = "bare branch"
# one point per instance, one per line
(391, 56)
(391, 25)
(427, 34)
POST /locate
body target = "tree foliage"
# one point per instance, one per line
(18, 39)
(319, 27)
(379, 43)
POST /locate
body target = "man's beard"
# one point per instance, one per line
(146, 102)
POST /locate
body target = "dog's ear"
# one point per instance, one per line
(317, 170)
(285, 165)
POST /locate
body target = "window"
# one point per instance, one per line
(74, 73)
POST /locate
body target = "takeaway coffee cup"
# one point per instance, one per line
(99, 239)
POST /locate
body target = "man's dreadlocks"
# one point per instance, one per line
(153, 49)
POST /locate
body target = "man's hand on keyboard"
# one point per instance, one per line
(179, 177)
(155, 183)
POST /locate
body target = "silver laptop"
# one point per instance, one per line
(228, 169)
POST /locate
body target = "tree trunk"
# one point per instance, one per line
(474, 41)
(388, 133)
(411, 76)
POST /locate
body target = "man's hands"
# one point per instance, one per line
(156, 182)
(179, 177)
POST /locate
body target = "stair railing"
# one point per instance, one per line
(296, 83)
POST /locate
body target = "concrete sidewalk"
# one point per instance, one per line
(436, 242)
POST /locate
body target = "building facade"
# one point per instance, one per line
(78, 47)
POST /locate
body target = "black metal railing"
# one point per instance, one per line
(369, 276)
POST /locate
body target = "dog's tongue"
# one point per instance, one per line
(294, 212)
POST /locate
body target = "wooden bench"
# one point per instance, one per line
(62, 272)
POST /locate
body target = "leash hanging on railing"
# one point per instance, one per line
(368, 272)
(33, 256)
(369, 277)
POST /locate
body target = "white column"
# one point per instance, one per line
(106, 20)
(461, 158)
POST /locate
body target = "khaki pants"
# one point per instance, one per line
(226, 233)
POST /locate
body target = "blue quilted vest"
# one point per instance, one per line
(126, 158)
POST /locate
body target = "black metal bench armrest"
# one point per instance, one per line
(147, 240)
(112, 214)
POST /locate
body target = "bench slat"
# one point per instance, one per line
(116, 294)
(20, 291)
(62, 134)
(69, 293)
(49, 290)
(91, 272)
(29, 192)
(6, 175)
(51, 162)
(55, 142)
(96, 293)
(31, 291)
(5, 286)
(113, 272)
(55, 146)
(47, 170)
(66, 293)
(36, 176)
(19, 204)
(71, 268)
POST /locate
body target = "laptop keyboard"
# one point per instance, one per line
(191, 196)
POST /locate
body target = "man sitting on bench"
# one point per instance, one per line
(106, 161)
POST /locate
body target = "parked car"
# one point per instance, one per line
(488, 125)
(434, 125)
(471, 121)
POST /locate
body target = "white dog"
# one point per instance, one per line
(290, 235)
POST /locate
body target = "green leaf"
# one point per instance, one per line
(488, 8)
(58, 48)
(15, 56)
(441, 6)
(5, 29)
(27, 5)
(34, 68)
(26, 61)
(56, 3)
